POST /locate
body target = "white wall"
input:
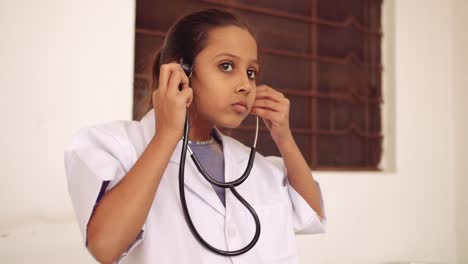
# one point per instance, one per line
(65, 65)
(407, 214)
(460, 56)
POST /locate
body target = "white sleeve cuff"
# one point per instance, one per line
(305, 219)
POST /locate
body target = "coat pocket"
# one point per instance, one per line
(277, 242)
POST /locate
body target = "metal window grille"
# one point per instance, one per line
(324, 55)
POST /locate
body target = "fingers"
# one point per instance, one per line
(268, 98)
(264, 91)
(275, 117)
(270, 104)
(170, 76)
(174, 80)
(267, 104)
(187, 96)
(164, 74)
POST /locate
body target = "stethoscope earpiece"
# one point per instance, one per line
(186, 67)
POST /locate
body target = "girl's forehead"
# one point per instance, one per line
(233, 40)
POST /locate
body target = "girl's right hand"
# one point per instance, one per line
(170, 105)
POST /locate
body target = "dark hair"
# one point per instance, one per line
(185, 39)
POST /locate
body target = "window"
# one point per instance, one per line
(325, 56)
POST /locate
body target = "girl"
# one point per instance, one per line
(123, 176)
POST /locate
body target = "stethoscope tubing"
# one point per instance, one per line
(225, 185)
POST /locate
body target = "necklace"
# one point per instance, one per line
(206, 142)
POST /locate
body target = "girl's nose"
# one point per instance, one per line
(244, 86)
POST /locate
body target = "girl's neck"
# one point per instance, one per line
(200, 133)
(200, 130)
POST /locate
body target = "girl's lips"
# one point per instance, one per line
(239, 108)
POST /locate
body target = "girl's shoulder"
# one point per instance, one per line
(122, 139)
(121, 132)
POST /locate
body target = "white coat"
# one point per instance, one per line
(107, 152)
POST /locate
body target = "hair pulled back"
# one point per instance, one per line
(186, 38)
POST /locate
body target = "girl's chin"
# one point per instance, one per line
(231, 124)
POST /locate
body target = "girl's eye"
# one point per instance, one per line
(252, 74)
(226, 67)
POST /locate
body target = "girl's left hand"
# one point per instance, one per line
(273, 108)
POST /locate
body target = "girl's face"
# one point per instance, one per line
(223, 78)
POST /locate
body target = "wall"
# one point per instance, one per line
(407, 212)
(63, 66)
(460, 57)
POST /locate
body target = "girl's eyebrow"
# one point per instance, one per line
(254, 61)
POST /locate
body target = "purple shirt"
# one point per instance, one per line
(211, 158)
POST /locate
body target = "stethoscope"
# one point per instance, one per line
(188, 70)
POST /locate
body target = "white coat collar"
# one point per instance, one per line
(235, 162)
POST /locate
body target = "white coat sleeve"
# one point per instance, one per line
(94, 163)
(305, 219)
